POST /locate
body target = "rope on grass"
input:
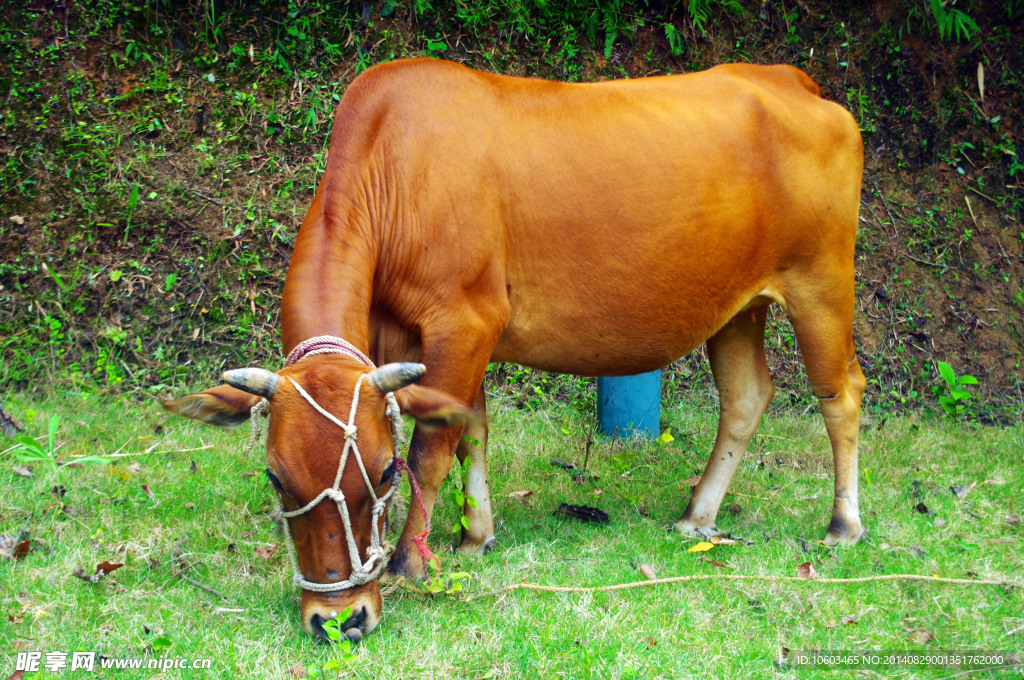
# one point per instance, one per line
(744, 577)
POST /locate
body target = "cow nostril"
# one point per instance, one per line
(317, 624)
(352, 627)
(356, 620)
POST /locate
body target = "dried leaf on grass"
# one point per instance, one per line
(23, 471)
(700, 547)
(648, 571)
(102, 569)
(718, 564)
(692, 481)
(297, 671)
(806, 570)
(520, 495)
(721, 540)
(920, 636)
(11, 548)
(265, 553)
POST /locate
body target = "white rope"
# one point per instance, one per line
(363, 571)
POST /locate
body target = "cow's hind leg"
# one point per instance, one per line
(824, 332)
(479, 537)
(744, 388)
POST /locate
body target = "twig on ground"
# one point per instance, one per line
(181, 573)
(211, 200)
(743, 577)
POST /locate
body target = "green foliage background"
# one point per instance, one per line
(158, 158)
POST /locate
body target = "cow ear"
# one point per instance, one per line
(433, 408)
(223, 405)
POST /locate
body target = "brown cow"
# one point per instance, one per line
(595, 229)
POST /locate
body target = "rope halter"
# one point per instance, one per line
(363, 570)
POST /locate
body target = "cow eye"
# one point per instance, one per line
(274, 480)
(389, 472)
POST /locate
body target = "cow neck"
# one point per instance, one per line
(330, 282)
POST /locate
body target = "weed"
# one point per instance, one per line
(950, 393)
(343, 647)
(951, 21)
(30, 451)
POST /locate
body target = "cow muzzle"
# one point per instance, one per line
(319, 608)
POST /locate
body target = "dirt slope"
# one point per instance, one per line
(157, 165)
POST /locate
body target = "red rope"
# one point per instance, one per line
(420, 540)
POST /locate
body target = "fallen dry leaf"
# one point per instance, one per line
(135, 467)
(297, 671)
(17, 219)
(106, 567)
(265, 553)
(651, 642)
(22, 471)
(597, 492)
(648, 571)
(831, 623)
(22, 549)
(806, 570)
(701, 547)
(849, 620)
(692, 481)
(1012, 520)
(734, 508)
(718, 540)
(149, 492)
(718, 564)
(920, 636)
(520, 494)
(993, 481)
(102, 569)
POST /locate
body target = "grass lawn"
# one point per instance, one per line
(180, 499)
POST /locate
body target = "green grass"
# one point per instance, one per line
(704, 629)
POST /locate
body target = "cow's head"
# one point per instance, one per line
(303, 453)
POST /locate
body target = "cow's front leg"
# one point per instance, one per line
(430, 458)
(479, 537)
(455, 365)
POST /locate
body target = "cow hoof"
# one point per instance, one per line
(473, 547)
(843, 533)
(688, 528)
(409, 569)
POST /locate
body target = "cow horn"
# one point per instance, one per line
(258, 381)
(391, 377)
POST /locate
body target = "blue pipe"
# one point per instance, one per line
(630, 405)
